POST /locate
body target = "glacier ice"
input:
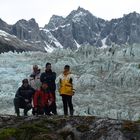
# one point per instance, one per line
(108, 79)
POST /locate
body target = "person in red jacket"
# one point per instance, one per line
(42, 101)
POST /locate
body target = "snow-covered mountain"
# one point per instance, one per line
(108, 79)
(80, 27)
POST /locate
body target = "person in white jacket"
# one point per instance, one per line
(34, 79)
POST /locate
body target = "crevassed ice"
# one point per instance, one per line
(107, 80)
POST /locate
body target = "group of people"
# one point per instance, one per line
(38, 92)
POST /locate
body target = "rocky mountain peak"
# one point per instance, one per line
(2, 22)
(25, 30)
(32, 20)
(79, 13)
(4, 26)
(54, 22)
(132, 15)
(129, 25)
(82, 10)
(55, 18)
(30, 24)
(80, 27)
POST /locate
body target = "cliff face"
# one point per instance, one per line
(67, 128)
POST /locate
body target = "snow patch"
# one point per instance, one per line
(62, 26)
(77, 17)
(48, 48)
(104, 45)
(4, 34)
(78, 46)
(7, 39)
(52, 38)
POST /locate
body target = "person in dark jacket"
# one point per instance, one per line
(49, 77)
(23, 97)
(42, 101)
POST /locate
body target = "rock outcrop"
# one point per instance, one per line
(12, 43)
(67, 128)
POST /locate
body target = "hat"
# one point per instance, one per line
(48, 64)
(35, 66)
(67, 67)
(25, 81)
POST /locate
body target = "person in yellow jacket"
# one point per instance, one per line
(66, 89)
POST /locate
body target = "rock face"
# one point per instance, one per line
(54, 22)
(12, 43)
(67, 128)
(4, 26)
(26, 30)
(124, 30)
(80, 27)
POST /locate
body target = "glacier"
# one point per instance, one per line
(107, 79)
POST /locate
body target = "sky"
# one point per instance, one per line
(13, 10)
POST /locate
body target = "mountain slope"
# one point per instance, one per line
(12, 43)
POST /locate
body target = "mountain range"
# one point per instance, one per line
(79, 28)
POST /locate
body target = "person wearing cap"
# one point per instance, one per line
(42, 101)
(66, 89)
(23, 97)
(49, 77)
(34, 79)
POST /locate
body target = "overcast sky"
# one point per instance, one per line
(13, 10)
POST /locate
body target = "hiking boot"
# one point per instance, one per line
(71, 112)
(25, 113)
(18, 115)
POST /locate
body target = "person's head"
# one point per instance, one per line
(48, 66)
(44, 85)
(25, 82)
(66, 68)
(35, 68)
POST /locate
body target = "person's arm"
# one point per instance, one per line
(57, 81)
(18, 94)
(33, 91)
(32, 94)
(51, 99)
(31, 79)
(74, 80)
(54, 76)
(42, 77)
(35, 98)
